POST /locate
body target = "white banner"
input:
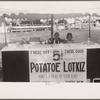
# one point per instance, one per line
(53, 65)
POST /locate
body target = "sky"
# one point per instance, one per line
(49, 7)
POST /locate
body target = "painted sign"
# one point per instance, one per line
(57, 65)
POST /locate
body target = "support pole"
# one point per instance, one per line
(89, 35)
(5, 35)
(89, 26)
(51, 28)
(5, 32)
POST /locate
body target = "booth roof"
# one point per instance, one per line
(50, 7)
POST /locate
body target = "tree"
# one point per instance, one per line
(62, 21)
(37, 21)
(5, 15)
(13, 15)
(21, 16)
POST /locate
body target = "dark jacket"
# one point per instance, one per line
(55, 41)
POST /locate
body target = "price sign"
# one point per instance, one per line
(63, 65)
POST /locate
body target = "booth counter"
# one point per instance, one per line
(37, 62)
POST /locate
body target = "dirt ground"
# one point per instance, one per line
(78, 37)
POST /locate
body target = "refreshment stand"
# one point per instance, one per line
(38, 62)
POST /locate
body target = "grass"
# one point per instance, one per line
(78, 35)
